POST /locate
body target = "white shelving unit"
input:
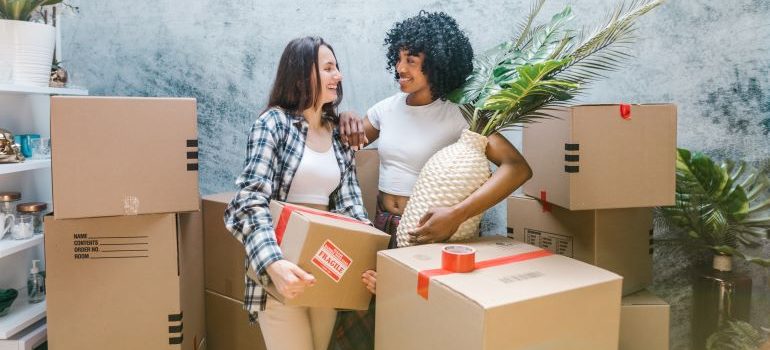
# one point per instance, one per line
(25, 110)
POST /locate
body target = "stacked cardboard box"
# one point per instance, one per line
(518, 297)
(124, 245)
(227, 323)
(598, 171)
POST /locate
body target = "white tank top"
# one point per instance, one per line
(317, 176)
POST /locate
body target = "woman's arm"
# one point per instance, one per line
(438, 224)
(248, 218)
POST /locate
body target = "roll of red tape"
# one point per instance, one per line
(458, 258)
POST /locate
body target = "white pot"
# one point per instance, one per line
(26, 52)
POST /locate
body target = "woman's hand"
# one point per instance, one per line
(437, 225)
(352, 130)
(289, 279)
(369, 278)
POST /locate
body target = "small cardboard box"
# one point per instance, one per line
(224, 256)
(614, 239)
(644, 322)
(125, 282)
(368, 171)
(227, 325)
(123, 156)
(528, 299)
(334, 248)
(599, 157)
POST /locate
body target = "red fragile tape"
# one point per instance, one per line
(461, 259)
(283, 219)
(625, 111)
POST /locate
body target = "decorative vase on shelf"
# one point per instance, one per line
(26, 52)
(719, 295)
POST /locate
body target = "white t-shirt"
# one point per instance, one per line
(409, 136)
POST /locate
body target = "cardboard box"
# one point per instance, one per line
(593, 158)
(546, 302)
(368, 171)
(224, 256)
(644, 322)
(123, 156)
(334, 248)
(227, 325)
(126, 282)
(614, 239)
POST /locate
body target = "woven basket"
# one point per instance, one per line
(449, 176)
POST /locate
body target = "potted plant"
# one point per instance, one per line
(721, 209)
(26, 47)
(513, 84)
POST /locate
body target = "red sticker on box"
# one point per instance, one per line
(332, 260)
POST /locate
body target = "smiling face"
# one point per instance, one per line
(411, 78)
(329, 74)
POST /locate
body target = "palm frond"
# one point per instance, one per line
(606, 47)
(526, 25)
(735, 335)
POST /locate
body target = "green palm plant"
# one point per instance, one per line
(22, 10)
(542, 67)
(735, 335)
(719, 207)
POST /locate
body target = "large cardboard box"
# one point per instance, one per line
(530, 299)
(614, 239)
(224, 256)
(125, 282)
(334, 248)
(123, 156)
(593, 157)
(227, 325)
(644, 322)
(368, 171)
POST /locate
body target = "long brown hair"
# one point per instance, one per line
(293, 88)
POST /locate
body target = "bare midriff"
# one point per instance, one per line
(314, 206)
(392, 203)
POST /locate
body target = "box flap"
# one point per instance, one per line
(644, 297)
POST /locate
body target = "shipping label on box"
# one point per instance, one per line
(595, 157)
(614, 239)
(517, 297)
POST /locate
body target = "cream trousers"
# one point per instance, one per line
(296, 327)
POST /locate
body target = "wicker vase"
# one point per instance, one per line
(449, 176)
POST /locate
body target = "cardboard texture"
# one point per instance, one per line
(128, 282)
(549, 302)
(123, 156)
(368, 171)
(224, 256)
(333, 249)
(644, 322)
(227, 325)
(614, 239)
(593, 158)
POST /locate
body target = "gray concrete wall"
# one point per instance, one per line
(710, 57)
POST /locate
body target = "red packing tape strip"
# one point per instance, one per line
(544, 202)
(625, 111)
(283, 219)
(423, 277)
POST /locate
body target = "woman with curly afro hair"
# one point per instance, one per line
(430, 56)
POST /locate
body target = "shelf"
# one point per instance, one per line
(22, 315)
(30, 338)
(23, 89)
(10, 246)
(29, 164)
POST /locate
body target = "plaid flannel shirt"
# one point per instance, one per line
(274, 151)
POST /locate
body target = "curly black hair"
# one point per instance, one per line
(448, 52)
